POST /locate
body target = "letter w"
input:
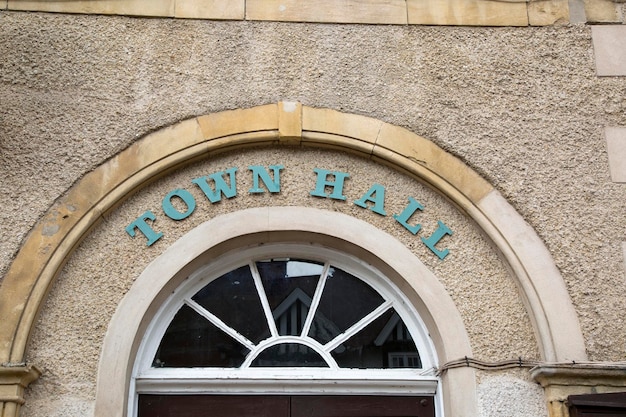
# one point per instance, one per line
(221, 187)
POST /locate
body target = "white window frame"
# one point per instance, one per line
(296, 381)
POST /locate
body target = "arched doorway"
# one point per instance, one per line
(233, 251)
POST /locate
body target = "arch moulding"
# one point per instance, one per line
(222, 242)
(61, 229)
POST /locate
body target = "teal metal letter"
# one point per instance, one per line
(273, 186)
(376, 195)
(322, 183)
(144, 228)
(170, 210)
(220, 185)
(403, 218)
(437, 235)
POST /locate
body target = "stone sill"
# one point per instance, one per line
(394, 12)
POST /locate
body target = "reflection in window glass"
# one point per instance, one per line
(289, 354)
(290, 287)
(384, 343)
(191, 340)
(233, 298)
(345, 301)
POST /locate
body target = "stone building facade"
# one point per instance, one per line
(464, 161)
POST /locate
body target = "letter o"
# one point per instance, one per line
(169, 209)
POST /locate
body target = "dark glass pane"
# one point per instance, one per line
(234, 299)
(284, 406)
(345, 301)
(191, 340)
(289, 286)
(384, 343)
(213, 406)
(362, 406)
(289, 354)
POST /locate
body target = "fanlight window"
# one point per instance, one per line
(258, 322)
(288, 313)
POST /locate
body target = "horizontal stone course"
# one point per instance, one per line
(396, 12)
(602, 11)
(467, 12)
(352, 11)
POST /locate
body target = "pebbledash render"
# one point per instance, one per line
(294, 208)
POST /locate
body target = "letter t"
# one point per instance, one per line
(144, 228)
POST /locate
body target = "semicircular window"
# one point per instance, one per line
(287, 313)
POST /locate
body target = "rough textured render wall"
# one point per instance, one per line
(522, 106)
(509, 394)
(95, 279)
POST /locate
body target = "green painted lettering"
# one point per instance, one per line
(403, 218)
(259, 172)
(323, 182)
(144, 228)
(437, 235)
(376, 195)
(221, 187)
(171, 211)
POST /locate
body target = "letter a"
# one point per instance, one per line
(376, 195)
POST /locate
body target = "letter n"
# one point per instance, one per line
(259, 172)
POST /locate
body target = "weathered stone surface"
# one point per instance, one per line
(548, 12)
(609, 50)
(602, 11)
(210, 9)
(467, 12)
(616, 148)
(126, 7)
(429, 12)
(350, 11)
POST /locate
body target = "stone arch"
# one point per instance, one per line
(57, 234)
(221, 240)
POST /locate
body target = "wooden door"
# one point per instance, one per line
(284, 406)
